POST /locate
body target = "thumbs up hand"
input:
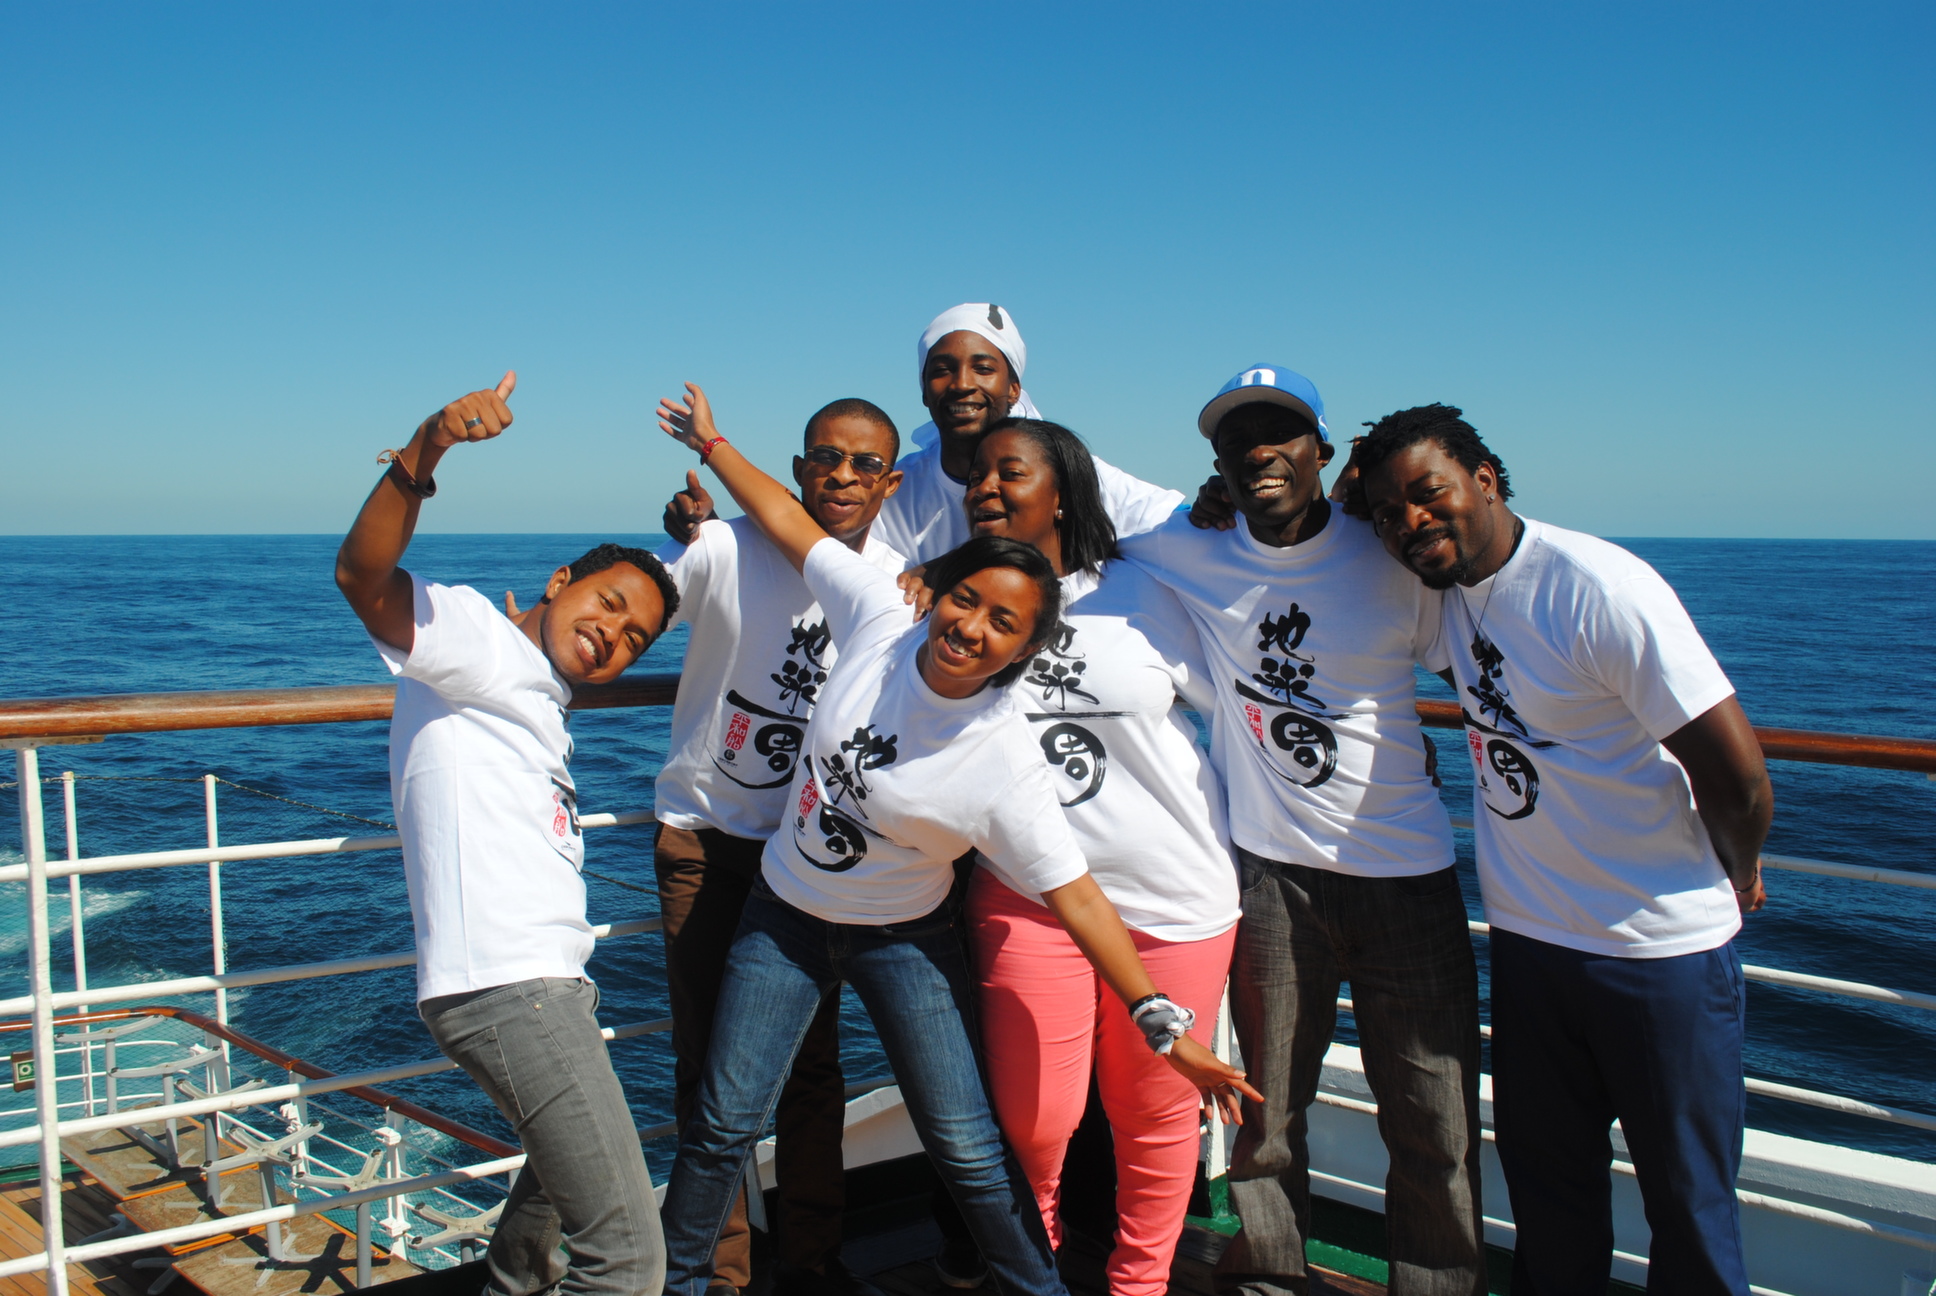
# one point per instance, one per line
(476, 417)
(686, 510)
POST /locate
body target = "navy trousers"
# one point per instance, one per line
(1580, 1040)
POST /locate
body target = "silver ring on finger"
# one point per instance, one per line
(473, 423)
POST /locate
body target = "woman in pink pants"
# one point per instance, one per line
(1148, 812)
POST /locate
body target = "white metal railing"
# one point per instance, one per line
(218, 1098)
(222, 1101)
(1778, 1205)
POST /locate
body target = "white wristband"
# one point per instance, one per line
(1163, 1022)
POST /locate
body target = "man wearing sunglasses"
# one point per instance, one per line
(758, 653)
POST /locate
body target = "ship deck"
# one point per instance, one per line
(895, 1260)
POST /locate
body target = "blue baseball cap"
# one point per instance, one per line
(1272, 384)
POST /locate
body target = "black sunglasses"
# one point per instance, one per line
(867, 465)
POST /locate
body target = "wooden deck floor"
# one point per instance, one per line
(234, 1267)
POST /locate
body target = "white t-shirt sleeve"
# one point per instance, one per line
(1638, 640)
(1432, 652)
(1025, 834)
(455, 652)
(1162, 619)
(1134, 505)
(854, 593)
(689, 566)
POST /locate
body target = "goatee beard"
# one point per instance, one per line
(1459, 573)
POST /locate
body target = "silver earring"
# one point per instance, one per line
(1488, 499)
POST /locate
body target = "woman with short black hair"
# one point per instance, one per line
(916, 754)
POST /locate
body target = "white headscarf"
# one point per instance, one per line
(989, 321)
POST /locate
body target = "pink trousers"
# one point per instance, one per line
(1046, 1018)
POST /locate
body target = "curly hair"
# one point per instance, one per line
(1444, 425)
(610, 555)
(1087, 534)
(984, 552)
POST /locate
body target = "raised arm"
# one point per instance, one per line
(771, 506)
(1098, 931)
(1732, 794)
(366, 565)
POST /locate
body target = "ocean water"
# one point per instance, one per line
(1822, 635)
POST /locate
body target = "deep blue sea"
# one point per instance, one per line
(1815, 634)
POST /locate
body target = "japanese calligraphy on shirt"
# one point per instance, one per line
(1074, 749)
(776, 731)
(1285, 717)
(1508, 780)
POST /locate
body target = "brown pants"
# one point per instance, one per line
(704, 879)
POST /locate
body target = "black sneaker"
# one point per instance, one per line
(838, 1280)
(959, 1264)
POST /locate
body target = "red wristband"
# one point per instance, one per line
(706, 451)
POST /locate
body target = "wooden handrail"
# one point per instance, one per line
(126, 713)
(289, 1062)
(1872, 751)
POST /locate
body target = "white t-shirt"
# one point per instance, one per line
(1145, 804)
(1573, 661)
(1312, 647)
(758, 654)
(925, 518)
(897, 781)
(484, 802)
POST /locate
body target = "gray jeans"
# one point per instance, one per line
(1404, 946)
(534, 1047)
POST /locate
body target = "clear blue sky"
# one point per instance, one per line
(1676, 262)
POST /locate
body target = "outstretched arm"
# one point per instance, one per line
(366, 565)
(770, 505)
(1098, 931)
(1732, 794)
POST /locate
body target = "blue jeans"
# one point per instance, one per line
(1582, 1039)
(913, 979)
(581, 1219)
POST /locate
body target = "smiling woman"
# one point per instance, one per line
(915, 755)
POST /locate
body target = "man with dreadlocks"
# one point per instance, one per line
(1620, 805)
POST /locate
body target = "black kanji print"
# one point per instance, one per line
(1059, 682)
(1061, 641)
(778, 741)
(1058, 671)
(1284, 633)
(842, 838)
(810, 641)
(1515, 772)
(1290, 680)
(1491, 690)
(846, 769)
(798, 684)
(1079, 754)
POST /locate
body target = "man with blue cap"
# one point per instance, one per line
(1343, 849)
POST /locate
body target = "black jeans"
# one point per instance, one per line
(1404, 946)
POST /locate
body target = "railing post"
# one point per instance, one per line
(362, 1245)
(77, 929)
(33, 841)
(217, 939)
